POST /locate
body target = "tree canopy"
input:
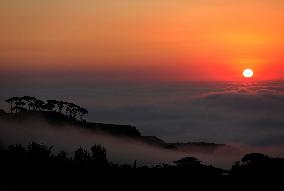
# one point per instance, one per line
(28, 103)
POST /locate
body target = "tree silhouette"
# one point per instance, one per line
(16, 151)
(39, 150)
(71, 109)
(254, 158)
(30, 101)
(60, 105)
(50, 105)
(74, 110)
(19, 103)
(39, 105)
(82, 157)
(258, 164)
(99, 158)
(19, 109)
(82, 112)
(11, 101)
(62, 160)
(62, 156)
(68, 109)
(38, 154)
(188, 162)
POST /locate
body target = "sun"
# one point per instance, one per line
(248, 73)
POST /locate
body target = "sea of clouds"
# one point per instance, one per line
(249, 115)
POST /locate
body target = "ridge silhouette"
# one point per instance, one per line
(26, 109)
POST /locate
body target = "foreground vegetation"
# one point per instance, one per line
(37, 159)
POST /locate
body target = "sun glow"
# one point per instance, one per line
(248, 73)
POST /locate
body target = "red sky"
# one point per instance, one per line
(143, 40)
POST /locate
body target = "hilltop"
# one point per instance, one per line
(58, 119)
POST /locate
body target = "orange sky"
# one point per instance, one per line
(163, 39)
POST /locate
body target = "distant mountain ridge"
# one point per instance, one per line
(124, 131)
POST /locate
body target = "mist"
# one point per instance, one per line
(119, 150)
(69, 138)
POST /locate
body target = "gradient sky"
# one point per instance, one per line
(157, 40)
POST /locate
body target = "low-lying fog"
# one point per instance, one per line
(119, 150)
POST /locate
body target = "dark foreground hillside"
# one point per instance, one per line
(36, 167)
